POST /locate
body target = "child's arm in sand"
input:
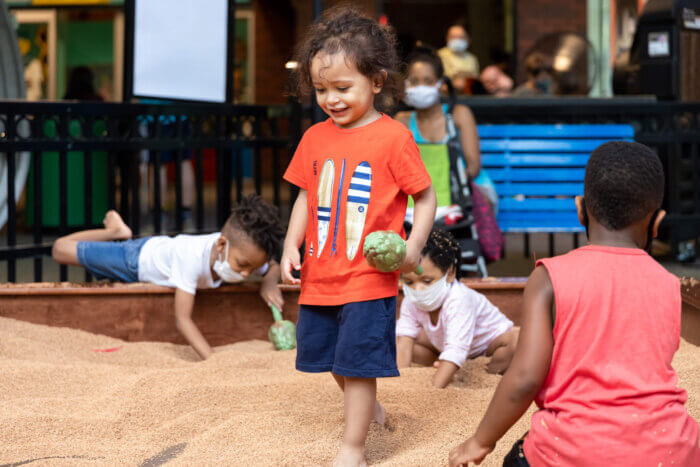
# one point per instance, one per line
(404, 351)
(292, 242)
(184, 303)
(269, 291)
(524, 377)
(425, 203)
(445, 371)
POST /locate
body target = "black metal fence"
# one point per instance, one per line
(121, 135)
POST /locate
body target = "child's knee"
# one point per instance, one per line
(64, 250)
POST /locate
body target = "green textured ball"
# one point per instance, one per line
(384, 250)
(282, 334)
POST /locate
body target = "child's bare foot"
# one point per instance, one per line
(115, 224)
(379, 414)
(350, 457)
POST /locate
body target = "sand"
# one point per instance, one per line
(63, 403)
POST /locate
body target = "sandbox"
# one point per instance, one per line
(80, 399)
(72, 397)
(144, 312)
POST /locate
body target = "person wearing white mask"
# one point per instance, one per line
(443, 322)
(459, 63)
(428, 122)
(244, 247)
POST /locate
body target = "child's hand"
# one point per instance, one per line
(271, 295)
(469, 451)
(412, 259)
(290, 260)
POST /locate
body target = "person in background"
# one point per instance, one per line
(81, 85)
(539, 77)
(459, 64)
(496, 82)
(428, 122)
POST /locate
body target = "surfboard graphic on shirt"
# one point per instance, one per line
(323, 210)
(356, 208)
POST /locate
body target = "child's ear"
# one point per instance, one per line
(378, 81)
(451, 274)
(221, 244)
(580, 209)
(657, 222)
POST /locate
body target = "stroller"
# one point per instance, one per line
(454, 200)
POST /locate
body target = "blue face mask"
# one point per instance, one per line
(544, 85)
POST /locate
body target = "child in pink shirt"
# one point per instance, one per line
(599, 329)
(443, 322)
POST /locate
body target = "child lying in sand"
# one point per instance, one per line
(250, 236)
(599, 329)
(443, 322)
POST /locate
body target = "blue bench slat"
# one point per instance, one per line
(546, 165)
(541, 145)
(523, 221)
(537, 204)
(537, 175)
(514, 160)
(539, 131)
(539, 189)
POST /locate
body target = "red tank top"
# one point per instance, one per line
(610, 397)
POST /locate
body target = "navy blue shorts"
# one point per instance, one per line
(356, 339)
(117, 261)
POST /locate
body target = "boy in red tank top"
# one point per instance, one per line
(599, 329)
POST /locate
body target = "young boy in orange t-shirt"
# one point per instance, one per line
(355, 172)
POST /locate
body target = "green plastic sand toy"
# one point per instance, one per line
(282, 333)
(385, 250)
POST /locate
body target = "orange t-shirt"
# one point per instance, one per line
(357, 181)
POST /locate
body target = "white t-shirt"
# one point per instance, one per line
(182, 262)
(467, 324)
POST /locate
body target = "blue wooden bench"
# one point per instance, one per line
(539, 169)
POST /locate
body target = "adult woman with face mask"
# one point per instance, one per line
(428, 122)
(539, 77)
(459, 64)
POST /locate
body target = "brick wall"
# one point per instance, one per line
(279, 25)
(536, 18)
(274, 37)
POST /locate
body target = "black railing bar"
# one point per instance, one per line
(120, 145)
(178, 174)
(10, 128)
(276, 181)
(199, 186)
(38, 215)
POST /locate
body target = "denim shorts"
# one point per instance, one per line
(117, 261)
(356, 339)
(516, 456)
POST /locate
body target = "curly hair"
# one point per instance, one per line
(257, 220)
(443, 250)
(370, 46)
(624, 182)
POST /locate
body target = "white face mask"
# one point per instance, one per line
(430, 298)
(422, 97)
(224, 271)
(458, 46)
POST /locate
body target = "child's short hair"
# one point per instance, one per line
(624, 182)
(443, 250)
(257, 220)
(370, 46)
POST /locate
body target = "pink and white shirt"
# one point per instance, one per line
(467, 324)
